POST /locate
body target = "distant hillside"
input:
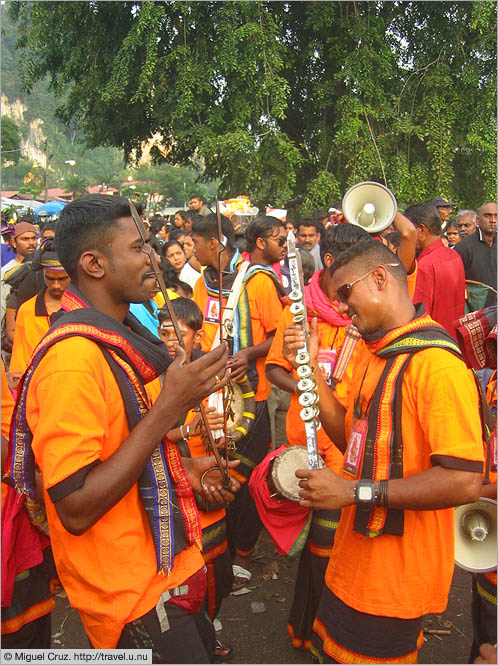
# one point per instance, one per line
(34, 114)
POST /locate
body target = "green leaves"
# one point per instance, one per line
(279, 99)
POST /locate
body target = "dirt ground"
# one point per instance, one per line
(262, 637)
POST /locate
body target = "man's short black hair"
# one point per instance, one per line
(320, 215)
(426, 214)
(86, 223)
(366, 255)
(393, 238)
(49, 226)
(337, 239)
(207, 228)
(156, 224)
(260, 227)
(198, 196)
(175, 233)
(310, 221)
(186, 310)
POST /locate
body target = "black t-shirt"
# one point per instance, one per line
(479, 258)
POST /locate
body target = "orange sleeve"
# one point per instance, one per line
(275, 354)
(411, 279)
(443, 385)
(7, 404)
(67, 439)
(21, 353)
(265, 306)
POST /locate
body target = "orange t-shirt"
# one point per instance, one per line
(408, 576)
(265, 308)
(7, 403)
(6, 410)
(331, 337)
(75, 411)
(32, 322)
(411, 279)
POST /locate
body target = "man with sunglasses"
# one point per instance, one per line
(410, 411)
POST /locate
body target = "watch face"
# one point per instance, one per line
(365, 493)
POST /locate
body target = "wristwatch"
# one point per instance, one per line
(365, 491)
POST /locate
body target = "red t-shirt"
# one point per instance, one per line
(441, 284)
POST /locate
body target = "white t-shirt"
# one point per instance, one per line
(189, 275)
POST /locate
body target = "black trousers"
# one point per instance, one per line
(243, 522)
(190, 638)
(34, 635)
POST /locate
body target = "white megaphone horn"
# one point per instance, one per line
(475, 536)
(369, 205)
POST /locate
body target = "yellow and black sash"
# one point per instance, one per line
(383, 456)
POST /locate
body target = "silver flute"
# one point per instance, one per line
(308, 397)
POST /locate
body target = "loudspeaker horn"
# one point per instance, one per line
(369, 205)
(475, 536)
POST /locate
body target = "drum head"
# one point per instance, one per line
(284, 471)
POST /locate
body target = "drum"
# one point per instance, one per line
(240, 409)
(283, 471)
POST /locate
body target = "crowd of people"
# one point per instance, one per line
(113, 392)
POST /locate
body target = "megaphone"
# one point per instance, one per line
(369, 205)
(475, 536)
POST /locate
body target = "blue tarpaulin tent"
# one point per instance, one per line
(49, 209)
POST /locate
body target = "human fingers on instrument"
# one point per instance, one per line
(211, 369)
(221, 443)
(238, 373)
(195, 467)
(293, 340)
(180, 354)
(239, 359)
(313, 341)
(216, 420)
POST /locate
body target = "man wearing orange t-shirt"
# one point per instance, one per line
(92, 415)
(33, 316)
(411, 408)
(256, 317)
(337, 339)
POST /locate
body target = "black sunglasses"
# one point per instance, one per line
(281, 240)
(344, 291)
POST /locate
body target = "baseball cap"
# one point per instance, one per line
(441, 201)
(23, 227)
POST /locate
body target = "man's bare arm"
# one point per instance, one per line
(239, 363)
(281, 378)
(435, 488)
(408, 240)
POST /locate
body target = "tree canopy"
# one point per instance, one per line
(279, 100)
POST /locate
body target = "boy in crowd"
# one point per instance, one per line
(188, 436)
